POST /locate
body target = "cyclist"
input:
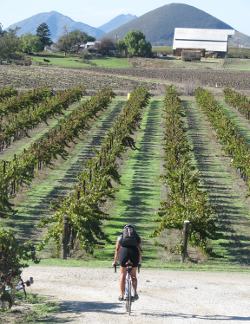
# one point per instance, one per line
(128, 248)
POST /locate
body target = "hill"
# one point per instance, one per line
(240, 40)
(158, 25)
(57, 23)
(116, 22)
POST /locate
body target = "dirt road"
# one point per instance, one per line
(90, 296)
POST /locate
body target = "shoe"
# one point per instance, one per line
(120, 298)
(136, 297)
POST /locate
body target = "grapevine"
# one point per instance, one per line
(16, 126)
(233, 143)
(238, 101)
(21, 169)
(185, 199)
(79, 217)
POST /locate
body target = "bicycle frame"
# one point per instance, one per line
(128, 285)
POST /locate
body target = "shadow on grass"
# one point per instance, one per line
(217, 181)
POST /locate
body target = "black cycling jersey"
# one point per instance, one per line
(129, 253)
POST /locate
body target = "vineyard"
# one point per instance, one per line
(75, 168)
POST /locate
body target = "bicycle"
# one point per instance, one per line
(9, 286)
(128, 286)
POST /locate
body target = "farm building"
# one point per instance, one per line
(213, 41)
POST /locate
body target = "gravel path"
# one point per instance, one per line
(90, 296)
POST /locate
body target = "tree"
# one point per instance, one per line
(43, 33)
(30, 43)
(71, 41)
(1, 29)
(121, 48)
(64, 44)
(106, 47)
(137, 45)
(9, 44)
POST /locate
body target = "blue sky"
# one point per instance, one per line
(96, 12)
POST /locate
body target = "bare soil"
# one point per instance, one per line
(61, 78)
(90, 296)
(201, 77)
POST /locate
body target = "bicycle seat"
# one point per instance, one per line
(129, 264)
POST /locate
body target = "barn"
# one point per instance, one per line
(213, 41)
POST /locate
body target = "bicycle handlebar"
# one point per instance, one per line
(115, 265)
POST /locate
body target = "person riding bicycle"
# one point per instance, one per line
(128, 248)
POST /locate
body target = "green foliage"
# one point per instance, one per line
(70, 42)
(43, 33)
(238, 101)
(121, 47)
(15, 104)
(9, 45)
(82, 210)
(233, 143)
(1, 30)
(30, 43)
(7, 92)
(15, 126)
(185, 200)
(137, 45)
(14, 255)
(21, 170)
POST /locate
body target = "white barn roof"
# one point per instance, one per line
(215, 40)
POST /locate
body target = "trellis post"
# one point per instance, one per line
(186, 227)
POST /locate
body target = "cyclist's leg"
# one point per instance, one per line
(134, 279)
(122, 281)
(134, 257)
(123, 258)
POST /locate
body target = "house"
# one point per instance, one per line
(208, 41)
(90, 45)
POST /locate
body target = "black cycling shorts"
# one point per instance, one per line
(129, 253)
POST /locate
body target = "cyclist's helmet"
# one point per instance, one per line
(129, 225)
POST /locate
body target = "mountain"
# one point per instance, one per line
(57, 24)
(116, 22)
(239, 40)
(158, 25)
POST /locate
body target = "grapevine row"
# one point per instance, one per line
(233, 143)
(79, 217)
(238, 101)
(21, 170)
(17, 125)
(22, 101)
(7, 92)
(185, 200)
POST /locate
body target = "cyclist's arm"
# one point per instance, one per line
(117, 248)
